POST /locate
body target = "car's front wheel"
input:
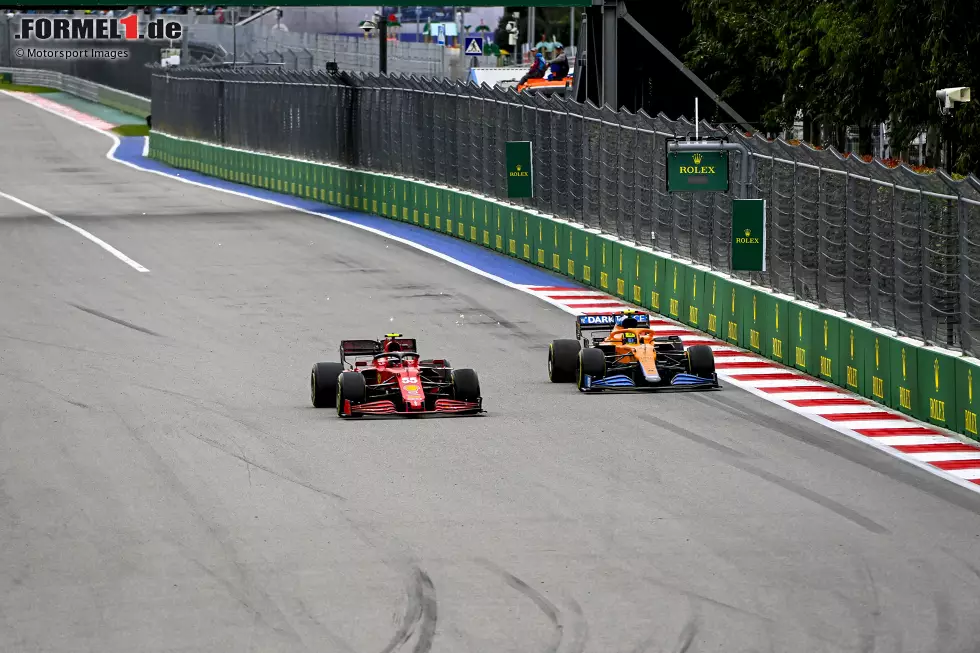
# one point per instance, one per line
(591, 362)
(466, 385)
(701, 361)
(350, 387)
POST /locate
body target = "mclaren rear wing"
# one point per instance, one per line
(606, 321)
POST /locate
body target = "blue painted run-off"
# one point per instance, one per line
(130, 150)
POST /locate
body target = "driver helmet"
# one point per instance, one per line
(390, 344)
(629, 321)
(629, 338)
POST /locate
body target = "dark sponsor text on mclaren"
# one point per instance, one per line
(96, 28)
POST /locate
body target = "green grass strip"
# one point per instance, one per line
(24, 88)
(131, 130)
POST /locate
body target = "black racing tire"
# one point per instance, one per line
(563, 360)
(701, 361)
(466, 385)
(350, 386)
(591, 361)
(323, 384)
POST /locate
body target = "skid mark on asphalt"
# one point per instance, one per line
(687, 636)
(421, 614)
(690, 435)
(819, 499)
(64, 398)
(240, 456)
(220, 537)
(251, 463)
(257, 602)
(684, 640)
(104, 316)
(866, 610)
(58, 345)
(549, 609)
(568, 637)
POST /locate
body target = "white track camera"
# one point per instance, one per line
(949, 96)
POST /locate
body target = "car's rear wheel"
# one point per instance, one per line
(591, 362)
(466, 385)
(563, 360)
(350, 387)
(701, 361)
(323, 384)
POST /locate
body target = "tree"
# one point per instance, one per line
(853, 67)
(842, 63)
(733, 48)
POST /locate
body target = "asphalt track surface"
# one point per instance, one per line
(165, 484)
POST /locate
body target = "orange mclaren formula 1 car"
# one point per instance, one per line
(546, 86)
(629, 356)
(390, 378)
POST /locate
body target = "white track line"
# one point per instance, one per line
(958, 477)
(98, 241)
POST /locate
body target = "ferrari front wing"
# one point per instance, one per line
(388, 407)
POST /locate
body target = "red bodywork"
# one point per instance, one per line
(407, 380)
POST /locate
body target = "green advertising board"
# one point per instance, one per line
(878, 364)
(753, 319)
(777, 343)
(825, 345)
(854, 342)
(967, 397)
(936, 390)
(697, 172)
(6, 78)
(749, 235)
(904, 375)
(714, 304)
(520, 169)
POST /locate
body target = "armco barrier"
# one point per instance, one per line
(926, 383)
(110, 97)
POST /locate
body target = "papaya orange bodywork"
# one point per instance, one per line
(642, 351)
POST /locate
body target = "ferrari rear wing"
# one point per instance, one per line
(606, 321)
(372, 347)
(360, 347)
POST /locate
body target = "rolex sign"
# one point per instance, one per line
(697, 171)
(520, 169)
(749, 235)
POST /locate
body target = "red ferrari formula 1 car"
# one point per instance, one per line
(392, 379)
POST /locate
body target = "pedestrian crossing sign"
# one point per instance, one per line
(474, 45)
